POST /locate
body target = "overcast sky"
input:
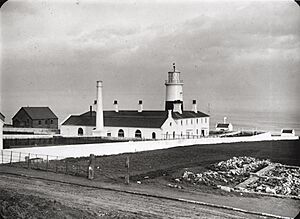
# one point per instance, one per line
(235, 55)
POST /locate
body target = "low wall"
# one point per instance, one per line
(31, 130)
(83, 150)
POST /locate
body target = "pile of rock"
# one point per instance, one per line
(280, 180)
(232, 171)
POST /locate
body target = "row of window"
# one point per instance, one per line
(46, 121)
(121, 134)
(192, 121)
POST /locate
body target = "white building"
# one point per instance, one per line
(1, 130)
(173, 122)
(225, 126)
(287, 132)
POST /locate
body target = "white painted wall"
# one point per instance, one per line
(127, 147)
(129, 132)
(72, 130)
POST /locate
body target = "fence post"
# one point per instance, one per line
(56, 164)
(91, 167)
(66, 166)
(127, 167)
(47, 163)
(11, 157)
(28, 161)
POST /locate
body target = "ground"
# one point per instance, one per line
(37, 197)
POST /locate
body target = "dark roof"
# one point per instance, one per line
(289, 131)
(222, 125)
(130, 118)
(2, 117)
(38, 112)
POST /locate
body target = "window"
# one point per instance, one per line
(108, 134)
(46, 121)
(192, 121)
(153, 135)
(170, 123)
(186, 121)
(197, 131)
(197, 121)
(51, 121)
(167, 135)
(181, 122)
(80, 131)
(174, 134)
(138, 134)
(205, 120)
(40, 122)
(121, 133)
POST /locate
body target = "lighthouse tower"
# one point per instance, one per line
(174, 90)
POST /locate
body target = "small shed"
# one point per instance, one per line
(224, 127)
(287, 132)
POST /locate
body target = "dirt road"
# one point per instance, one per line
(28, 198)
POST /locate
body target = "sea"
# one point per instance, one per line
(258, 121)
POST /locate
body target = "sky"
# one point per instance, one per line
(233, 55)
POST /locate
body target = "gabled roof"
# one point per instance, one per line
(2, 117)
(130, 118)
(38, 112)
(222, 125)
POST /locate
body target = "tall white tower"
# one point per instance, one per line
(174, 89)
(99, 111)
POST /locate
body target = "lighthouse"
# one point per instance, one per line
(174, 90)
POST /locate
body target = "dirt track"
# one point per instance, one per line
(48, 199)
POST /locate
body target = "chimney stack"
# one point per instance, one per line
(116, 106)
(194, 107)
(177, 107)
(91, 111)
(99, 111)
(140, 106)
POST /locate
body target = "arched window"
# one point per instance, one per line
(80, 131)
(138, 134)
(121, 133)
(153, 135)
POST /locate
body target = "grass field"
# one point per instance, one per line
(170, 162)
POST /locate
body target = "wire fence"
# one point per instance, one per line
(49, 163)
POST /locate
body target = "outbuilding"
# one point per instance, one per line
(287, 132)
(35, 117)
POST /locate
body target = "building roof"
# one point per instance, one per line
(2, 117)
(222, 125)
(287, 131)
(38, 112)
(130, 118)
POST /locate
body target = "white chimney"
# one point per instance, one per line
(99, 111)
(194, 107)
(169, 113)
(225, 119)
(116, 106)
(177, 108)
(140, 106)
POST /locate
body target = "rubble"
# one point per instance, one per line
(275, 179)
(280, 180)
(229, 172)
